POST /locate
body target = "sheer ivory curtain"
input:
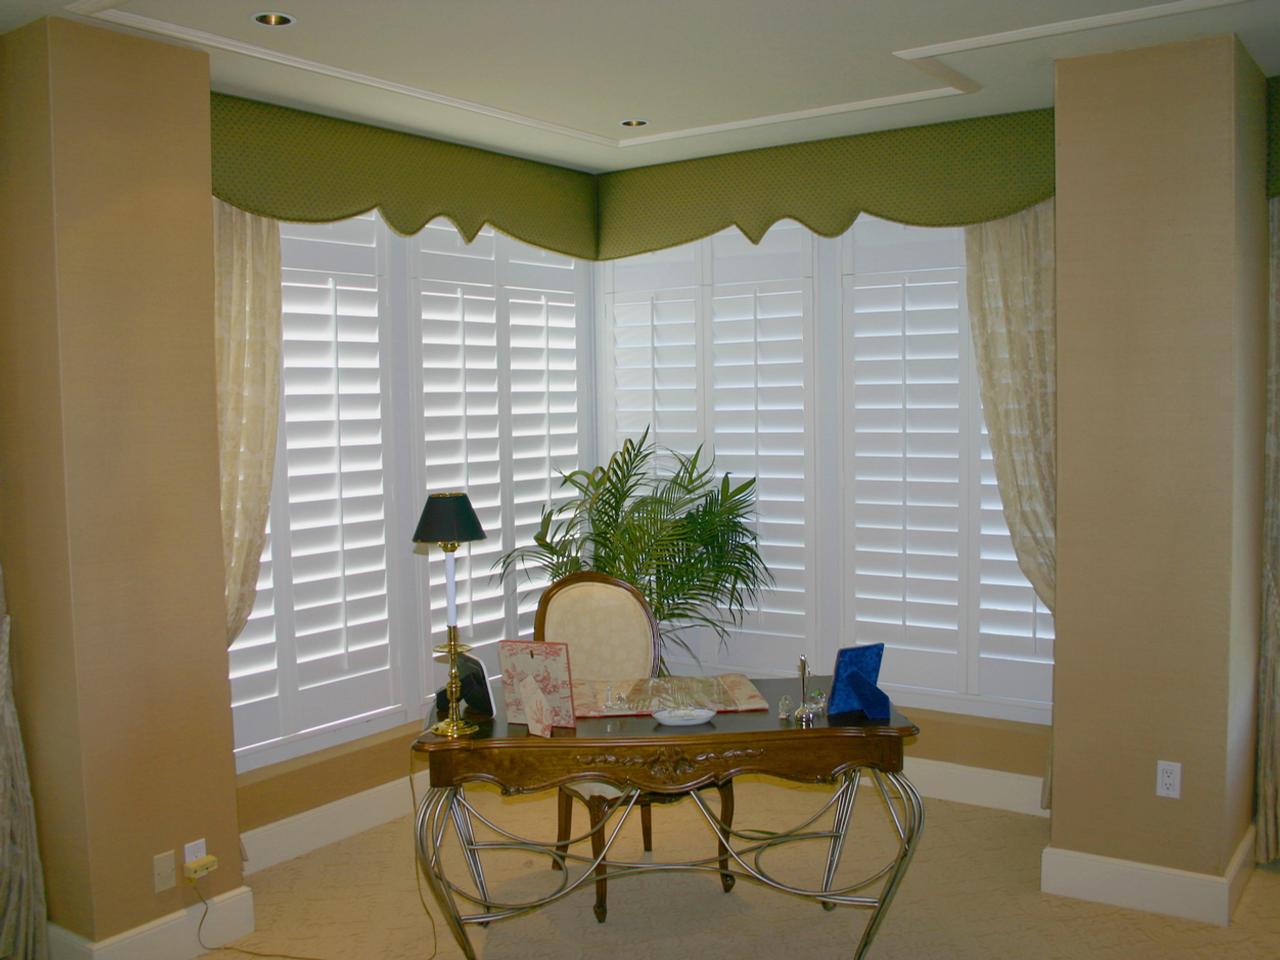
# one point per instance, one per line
(1268, 779)
(1012, 314)
(22, 911)
(247, 320)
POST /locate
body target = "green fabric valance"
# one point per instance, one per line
(293, 165)
(943, 174)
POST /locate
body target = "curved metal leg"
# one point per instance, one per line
(467, 838)
(840, 830)
(909, 831)
(433, 818)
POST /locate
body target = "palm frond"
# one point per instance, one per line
(684, 538)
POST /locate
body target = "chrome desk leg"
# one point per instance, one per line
(467, 837)
(908, 827)
(433, 818)
(840, 830)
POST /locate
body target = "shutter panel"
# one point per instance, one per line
(903, 449)
(934, 573)
(652, 320)
(501, 409)
(760, 328)
(1015, 629)
(327, 552)
(710, 343)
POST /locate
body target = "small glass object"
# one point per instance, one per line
(784, 707)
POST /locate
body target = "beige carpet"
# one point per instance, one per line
(972, 892)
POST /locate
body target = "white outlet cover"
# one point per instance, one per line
(194, 850)
(163, 872)
(1168, 779)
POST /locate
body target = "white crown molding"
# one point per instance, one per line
(1061, 27)
(171, 937)
(1143, 886)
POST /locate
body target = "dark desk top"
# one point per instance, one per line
(496, 730)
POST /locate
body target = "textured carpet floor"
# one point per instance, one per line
(972, 892)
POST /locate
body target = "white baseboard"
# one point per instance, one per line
(1143, 886)
(293, 836)
(171, 937)
(998, 789)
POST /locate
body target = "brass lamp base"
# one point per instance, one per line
(453, 726)
(450, 727)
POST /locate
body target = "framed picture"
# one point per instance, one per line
(547, 664)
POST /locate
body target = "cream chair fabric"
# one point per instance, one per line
(610, 635)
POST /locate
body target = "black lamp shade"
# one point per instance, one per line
(448, 518)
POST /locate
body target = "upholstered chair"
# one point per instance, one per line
(612, 635)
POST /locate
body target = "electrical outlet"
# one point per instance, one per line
(1168, 779)
(162, 871)
(194, 850)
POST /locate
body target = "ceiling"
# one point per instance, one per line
(552, 79)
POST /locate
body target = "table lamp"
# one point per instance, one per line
(447, 521)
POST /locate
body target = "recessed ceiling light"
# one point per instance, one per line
(635, 122)
(274, 19)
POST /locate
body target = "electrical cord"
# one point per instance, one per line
(417, 869)
(277, 955)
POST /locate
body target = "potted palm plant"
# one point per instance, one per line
(683, 537)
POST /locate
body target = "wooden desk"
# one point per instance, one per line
(638, 754)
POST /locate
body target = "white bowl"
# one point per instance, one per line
(683, 718)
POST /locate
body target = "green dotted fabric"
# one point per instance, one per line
(293, 165)
(944, 174)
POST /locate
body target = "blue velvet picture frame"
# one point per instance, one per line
(853, 688)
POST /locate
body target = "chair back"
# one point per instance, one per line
(606, 622)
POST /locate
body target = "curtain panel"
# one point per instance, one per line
(1010, 286)
(1013, 320)
(247, 341)
(1268, 773)
(23, 933)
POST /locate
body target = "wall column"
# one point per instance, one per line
(110, 534)
(1161, 244)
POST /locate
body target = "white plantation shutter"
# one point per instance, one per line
(932, 567)
(761, 336)
(1015, 629)
(709, 344)
(500, 398)
(652, 305)
(318, 647)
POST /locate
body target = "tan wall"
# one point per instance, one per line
(1160, 209)
(111, 531)
(33, 523)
